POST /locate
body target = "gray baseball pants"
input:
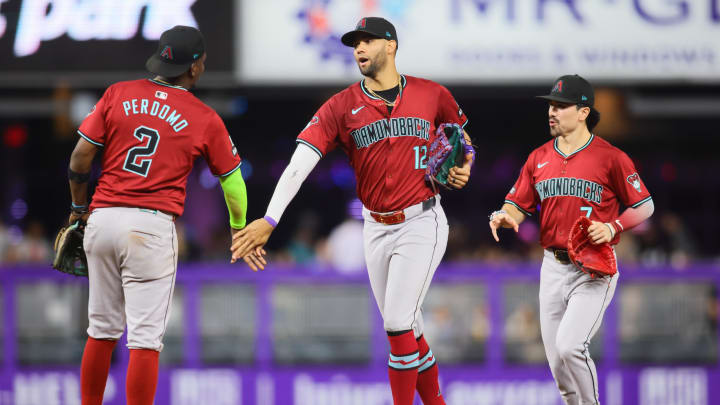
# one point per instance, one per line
(401, 261)
(572, 305)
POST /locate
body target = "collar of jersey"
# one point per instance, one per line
(583, 147)
(167, 85)
(403, 83)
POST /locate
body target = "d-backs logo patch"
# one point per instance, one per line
(558, 87)
(634, 181)
(167, 52)
(312, 122)
(234, 149)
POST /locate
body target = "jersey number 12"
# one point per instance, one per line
(139, 158)
(420, 156)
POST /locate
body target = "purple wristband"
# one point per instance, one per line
(470, 149)
(270, 220)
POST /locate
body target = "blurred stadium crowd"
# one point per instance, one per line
(663, 241)
(321, 232)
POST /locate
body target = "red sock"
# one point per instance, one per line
(142, 376)
(94, 369)
(403, 366)
(427, 382)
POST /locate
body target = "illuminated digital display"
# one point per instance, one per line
(56, 36)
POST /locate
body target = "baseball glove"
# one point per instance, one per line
(596, 260)
(69, 253)
(447, 150)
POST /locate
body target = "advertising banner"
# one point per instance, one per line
(312, 386)
(49, 39)
(486, 41)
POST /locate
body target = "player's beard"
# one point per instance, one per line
(375, 66)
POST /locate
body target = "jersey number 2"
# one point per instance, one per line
(420, 160)
(139, 158)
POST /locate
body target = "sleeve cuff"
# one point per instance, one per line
(90, 140)
(641, 202)
(231, 171)
(311, 146)
(518, 207)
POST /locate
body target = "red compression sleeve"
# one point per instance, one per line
(632, 217)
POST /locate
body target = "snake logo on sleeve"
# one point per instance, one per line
(634, 180)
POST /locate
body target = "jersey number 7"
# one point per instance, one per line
(139, 158)
(588, 210)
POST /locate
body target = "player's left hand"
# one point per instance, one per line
(458, 177)
(600, 232)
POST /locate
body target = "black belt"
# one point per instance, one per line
(561, 255)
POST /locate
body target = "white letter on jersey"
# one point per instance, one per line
(173, 117)
(180, 125)
(126, 107)
(163, 112)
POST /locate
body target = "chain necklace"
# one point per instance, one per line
(386, 101)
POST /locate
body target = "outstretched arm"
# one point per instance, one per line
(235, 193)
(254, 236)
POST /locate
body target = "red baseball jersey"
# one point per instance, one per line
(388, 151)
(151, 133)
(593, 181)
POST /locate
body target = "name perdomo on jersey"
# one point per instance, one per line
(570, 187)
(399, 126)
(155, 109)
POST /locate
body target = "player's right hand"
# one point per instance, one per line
(248, 240)
(502, 220)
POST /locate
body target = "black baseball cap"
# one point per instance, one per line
(178, 48)
(375, 26)
(572, 89)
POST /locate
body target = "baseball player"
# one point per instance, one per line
(150, 132)
(574, 174)
(385, 124)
